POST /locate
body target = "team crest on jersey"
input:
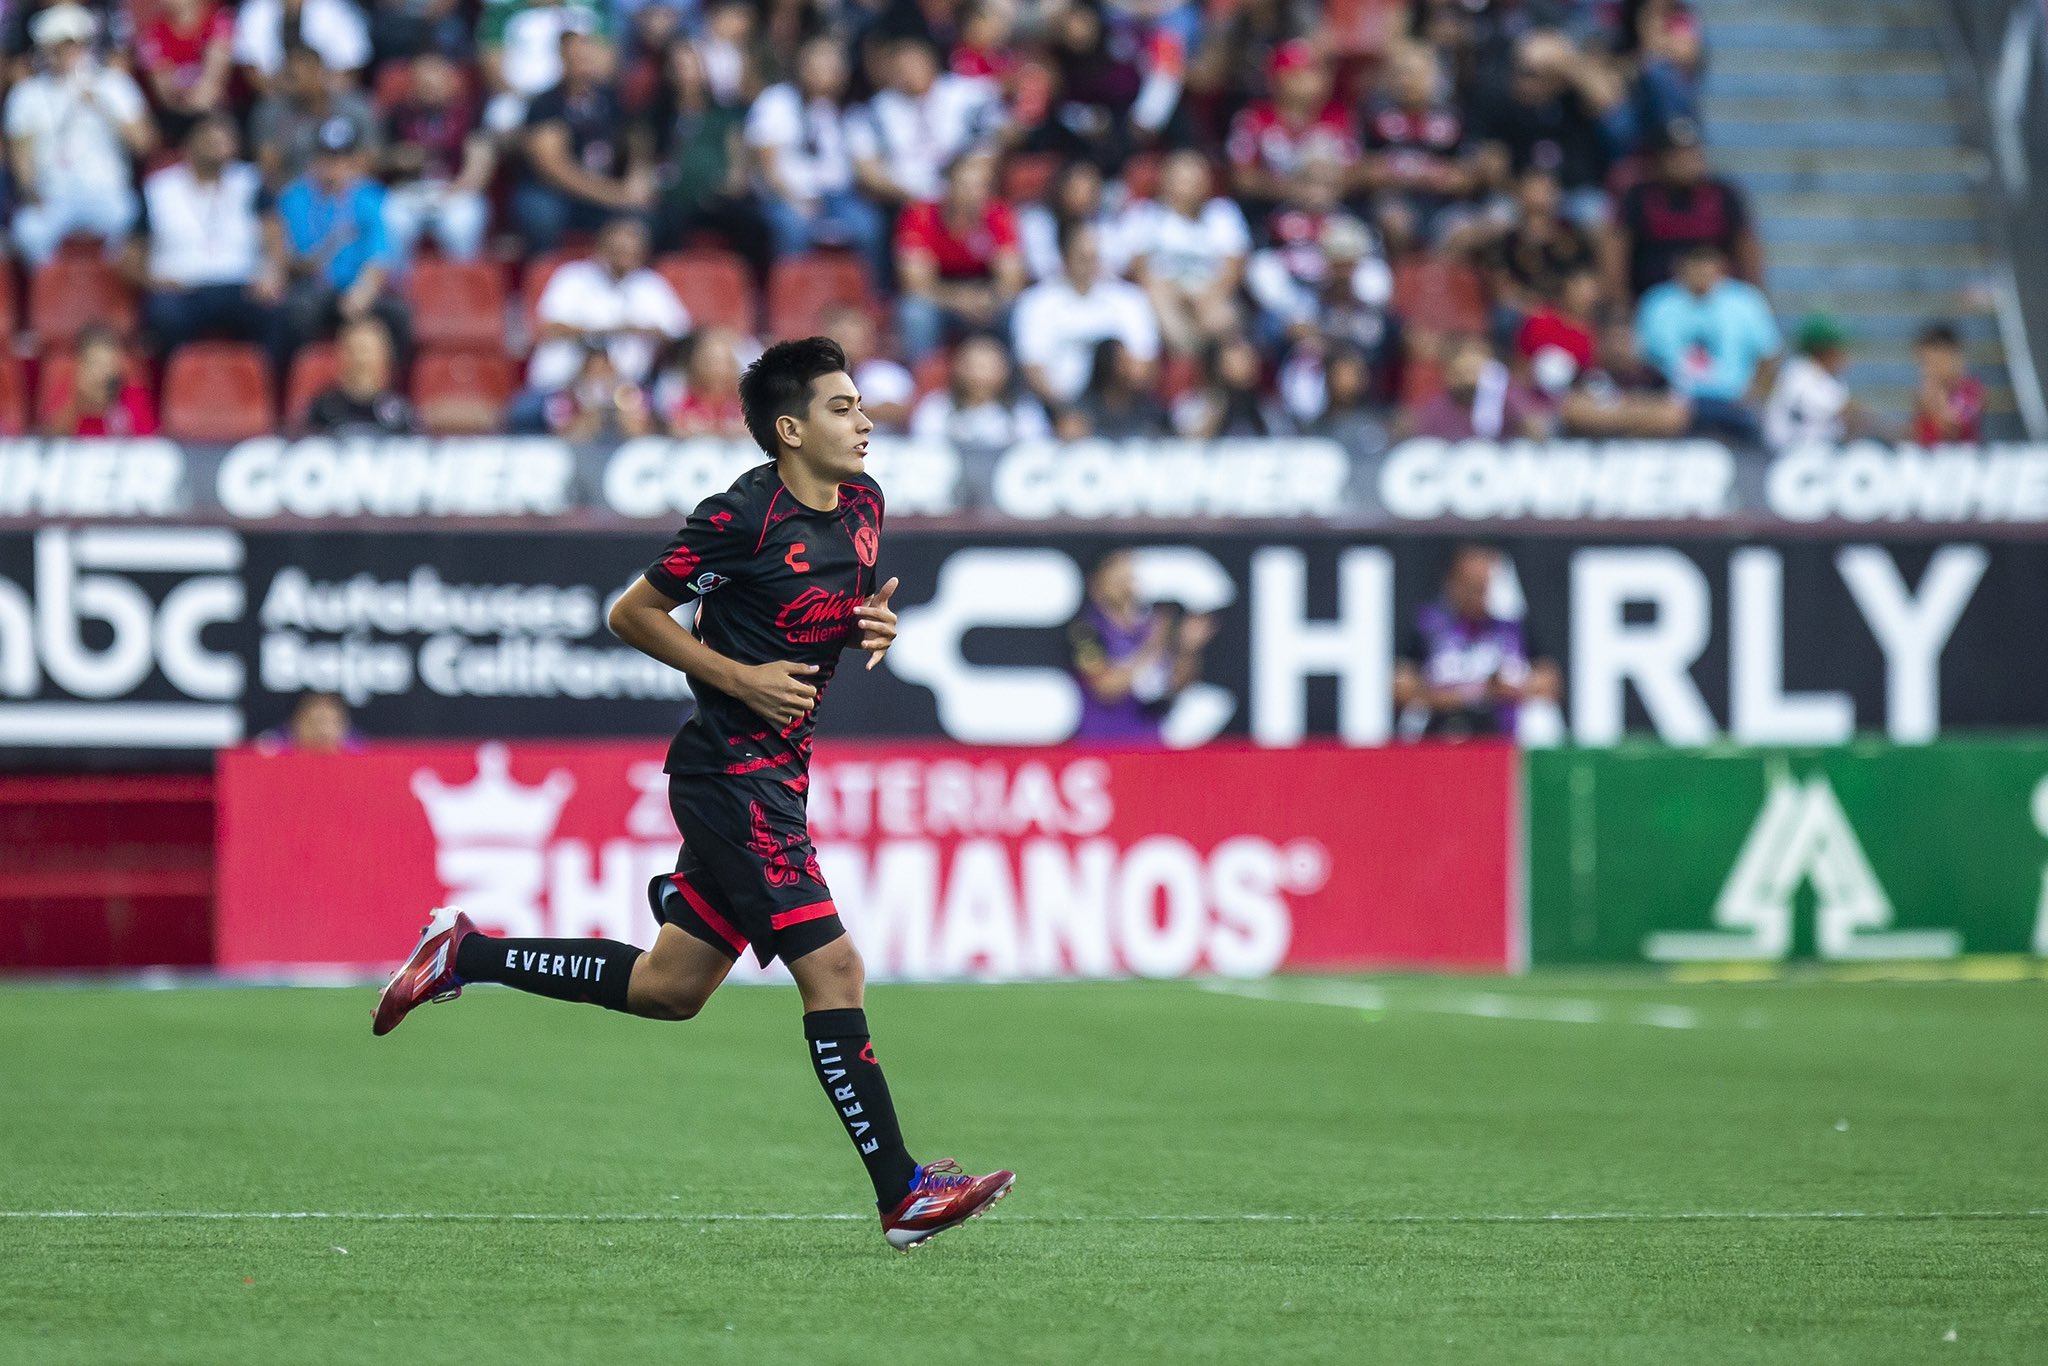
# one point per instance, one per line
(866, 544)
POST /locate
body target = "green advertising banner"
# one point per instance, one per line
(1868, 852)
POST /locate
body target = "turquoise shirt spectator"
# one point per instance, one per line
(340, 233)
(1708, 345)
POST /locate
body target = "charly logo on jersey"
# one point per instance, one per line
(1801, 837)
(114, 636)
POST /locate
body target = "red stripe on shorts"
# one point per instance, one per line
(817, 910)
(718, 923)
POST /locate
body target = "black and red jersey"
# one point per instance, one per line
(775, 580)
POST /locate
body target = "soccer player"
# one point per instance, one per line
(782, 566)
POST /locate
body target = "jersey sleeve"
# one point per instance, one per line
(709, 551)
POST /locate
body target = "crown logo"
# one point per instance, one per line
(494, 809)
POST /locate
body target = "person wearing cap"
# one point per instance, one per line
(285, 126)
(1682, 204)
(1272, 140)
(1810, 405)
(265, 29)
(74, 130)
(330, 222)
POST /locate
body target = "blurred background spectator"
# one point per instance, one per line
(1809, 403)
(337, 258)
(103, 396)
(74, 132)
(363, 400)
(184, 56)
(1464, 671)
(1060, 323)
(1713, 338)
(1949, 405)
(609, 301)
(1117, 402)
(982, 408)
(437, 164)
(957, 263)
(1188, 251)
(204, 269)
(319, 724)
(1132, 657)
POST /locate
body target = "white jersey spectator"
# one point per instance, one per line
(72, 131)
(805, 140)
(802, 173)
(1079, 195)
(1190, 251)
(204, 233)
(610, 300)
(1809, 404)
(903, 138)
(994, 424)
(333, 28)
(1058, 323)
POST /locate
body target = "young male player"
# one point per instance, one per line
(783, 567)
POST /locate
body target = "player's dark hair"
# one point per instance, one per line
(1939, 334)
(779, 385)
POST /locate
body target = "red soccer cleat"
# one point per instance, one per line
(942, 1197)
(429, 975)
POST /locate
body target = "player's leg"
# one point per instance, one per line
(452, 952)
(674, 979)
(832, 982)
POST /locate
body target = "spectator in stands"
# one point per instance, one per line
(598, 404)
(726, 42)
(701, 163)
(103, 398)
(1059, 323)
(1321, 278)
(803, 171)
(984, 46)
(1272, 141)
(957, 263)
(1680, 206)
(1229, 66)
(331, 222)
(1480, 398)
(285, 127)
(709, 401)
(319, 724)
(1556, 342)
(1527, 264)
(1621, 394)
(1661, 55)
(1416, 158)
(579, 169)
(1231, 401)
(1809, 403)
(1348, 414)
(266, 29)
(1949, 405)
(923, 120)
(362, 401)
(522, 46)
(886, 387)
(202, 262)
(1078, 194)
(73, 131)
(1550, 115)
(112, 33)
(437, 165)
(1713, 338)
(1097, 80)
(183, 57)
(980, 411)
(610, 301)
(1131, 658)
(1118, 403)
(1188, 252)
(1463, 672)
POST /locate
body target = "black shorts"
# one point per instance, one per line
(747, 873)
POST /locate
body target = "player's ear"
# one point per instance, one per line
(790, 429)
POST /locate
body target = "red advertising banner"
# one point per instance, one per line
(945, 863)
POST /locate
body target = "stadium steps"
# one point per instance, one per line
(1839, 118)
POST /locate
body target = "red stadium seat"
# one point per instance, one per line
(463, 393)
(714, 285)
(13, 396)
(218, 391)
(56, 371)
(1361, 28)
(72, 291)
(538, 272)
(803, 289)
(1434, 295)
(457, 304)
(314, 369)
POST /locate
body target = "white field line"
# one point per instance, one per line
(1484, 1005)
(659, 1217)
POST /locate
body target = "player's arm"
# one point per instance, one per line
(776, 691)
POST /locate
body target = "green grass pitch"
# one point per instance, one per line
(1873, 1156)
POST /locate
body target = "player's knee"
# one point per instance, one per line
(670, 998)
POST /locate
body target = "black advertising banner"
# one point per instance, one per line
(129, 641)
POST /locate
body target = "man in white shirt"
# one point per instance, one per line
(1188, 250)
(610, 301)
(1059, 322)
(1810, 405)
(71, 131)
(204, 265)
(903, 139)
(803, 174)
(333, 28)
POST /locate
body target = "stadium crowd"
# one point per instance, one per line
(1084, 217)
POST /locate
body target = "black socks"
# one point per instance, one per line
(593, 970)
(845, 1060)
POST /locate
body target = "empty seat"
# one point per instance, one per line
(1434, 295)
(314, 370)
(715, 286)
(217, 391)
(13, 396)
(803, 289)
(457, 304)
(463, 392)
(71, 291)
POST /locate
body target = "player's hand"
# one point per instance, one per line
(777, 691)
(877, 623)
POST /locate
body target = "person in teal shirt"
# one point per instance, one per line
(1712, 337)
(331, 225)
